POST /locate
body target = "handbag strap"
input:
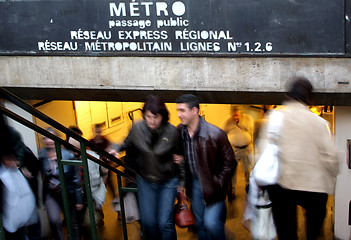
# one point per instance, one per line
(182, 201)
(181, 197)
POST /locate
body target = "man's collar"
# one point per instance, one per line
(198, 131)
(201, 128)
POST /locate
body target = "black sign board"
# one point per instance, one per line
(172, 27)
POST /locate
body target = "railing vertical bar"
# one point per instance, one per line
(121, 202)
(64, 191)
(88, 191)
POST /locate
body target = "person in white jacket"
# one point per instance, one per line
(308, 164)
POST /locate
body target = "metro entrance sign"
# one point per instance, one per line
(172, 27)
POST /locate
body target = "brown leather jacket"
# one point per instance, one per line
(215, 159)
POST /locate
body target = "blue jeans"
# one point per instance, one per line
(156, 204)
(210, 219)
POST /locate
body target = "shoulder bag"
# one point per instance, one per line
(183, 216)
(266, 170)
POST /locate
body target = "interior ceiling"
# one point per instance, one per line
(48, 94)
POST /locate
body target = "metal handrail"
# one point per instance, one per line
(83, 143)
(27, 107)
(67, 145)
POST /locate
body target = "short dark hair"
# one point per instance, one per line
(99, 125)
(75, 130)
(235, 108)
(156, 106)
(301, 90)
(6, 147)
(190, 99)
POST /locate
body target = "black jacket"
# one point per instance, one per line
(152, 151)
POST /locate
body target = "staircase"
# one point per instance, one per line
(84, 144)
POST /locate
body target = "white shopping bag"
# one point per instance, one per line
(19, 207)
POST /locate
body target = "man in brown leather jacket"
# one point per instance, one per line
(210, 163)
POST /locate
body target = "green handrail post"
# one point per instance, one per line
(64, 191)
(121, 202)
(88, 190)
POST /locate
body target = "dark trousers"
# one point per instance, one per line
(54, 205)
(20, 234)
(284, 207)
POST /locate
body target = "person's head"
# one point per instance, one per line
(301, 90)
(5, 136)
(188, 108)
(155, 112)
(98, 129)
(3, 124)
(49, 143)
(73, 141)
(7, 157)
(236, 114)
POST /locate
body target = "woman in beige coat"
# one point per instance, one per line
(308, 165)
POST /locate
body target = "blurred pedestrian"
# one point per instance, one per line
(308, 164)
(239, 128)
(97, 186)
(108, 176)
(18, 205)
(52, 187)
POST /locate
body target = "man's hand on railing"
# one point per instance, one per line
(108, 161)
(113, 152)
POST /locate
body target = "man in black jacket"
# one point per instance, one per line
(210, 163)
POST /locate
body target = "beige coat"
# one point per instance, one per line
(308, 154)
